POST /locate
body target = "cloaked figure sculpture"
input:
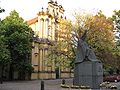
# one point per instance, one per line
(84, 51)
(88, 69)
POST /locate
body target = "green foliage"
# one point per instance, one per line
(4, 52)
(116, 20)
(13, 18)
(116, 50)
(19, 42)
(18, 37)
(109, 70)
(101, 35)
(25, 67)
(60, 52)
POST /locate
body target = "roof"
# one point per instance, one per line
(34, 20)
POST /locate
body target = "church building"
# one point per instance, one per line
(44, 27)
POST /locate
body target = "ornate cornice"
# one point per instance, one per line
(42, 40)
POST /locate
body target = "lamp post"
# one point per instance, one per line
(39, 61)
(2, 10)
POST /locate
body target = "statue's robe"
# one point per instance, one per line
(84, 52)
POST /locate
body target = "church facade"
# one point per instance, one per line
(44, 27)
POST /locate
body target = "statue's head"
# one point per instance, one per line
(84, 35)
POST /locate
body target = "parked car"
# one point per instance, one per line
(112, 78)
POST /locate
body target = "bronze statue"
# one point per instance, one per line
(88, 69)
(84, 51)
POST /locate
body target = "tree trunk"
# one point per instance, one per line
(1, 74)
(11, 72)
(21, 75)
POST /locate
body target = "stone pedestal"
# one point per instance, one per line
(88, 73)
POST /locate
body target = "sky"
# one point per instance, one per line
(28, 9)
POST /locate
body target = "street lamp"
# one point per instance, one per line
(2, 10)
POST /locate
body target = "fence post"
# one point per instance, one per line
(63, 81)
(1, 76)
(42, 85)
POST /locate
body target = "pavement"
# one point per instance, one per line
(36, 85)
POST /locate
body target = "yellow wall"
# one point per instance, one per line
(44, 28)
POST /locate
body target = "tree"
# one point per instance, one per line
(4, 54)
(64, 46)
(19, 40)
(116, 20)
(60, 51)
(2, 58)
(100, 35)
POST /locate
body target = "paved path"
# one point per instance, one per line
(34, 85)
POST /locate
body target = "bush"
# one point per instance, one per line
(25, 70)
